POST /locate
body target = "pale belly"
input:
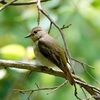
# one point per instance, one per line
(42, 59)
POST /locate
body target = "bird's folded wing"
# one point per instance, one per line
(50, 52)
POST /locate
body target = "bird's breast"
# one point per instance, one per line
(41, 58)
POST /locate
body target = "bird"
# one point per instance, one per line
(48, 51)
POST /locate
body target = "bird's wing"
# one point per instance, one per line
(50, 51)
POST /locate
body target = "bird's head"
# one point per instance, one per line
(36, 33)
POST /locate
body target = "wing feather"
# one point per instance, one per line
(51, 53)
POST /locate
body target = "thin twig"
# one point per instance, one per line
(50, 27)
(65, 26)
(90, 75)
(75, 92)
(23, 91)
(58, 87)
(22, 3)
(84, 93)
(34, 90)
(85, 64)
(28, 98)
(82, 63)
(7, 4)
(37, 85)
(38, 19)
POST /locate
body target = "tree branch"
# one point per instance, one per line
(92, 90)
(21, 3)
(7, 4)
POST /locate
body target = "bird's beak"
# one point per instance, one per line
(27, 36)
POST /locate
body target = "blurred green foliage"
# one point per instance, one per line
(83, 38)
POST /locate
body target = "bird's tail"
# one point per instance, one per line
(68, 75)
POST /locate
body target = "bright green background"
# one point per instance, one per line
(83, 39)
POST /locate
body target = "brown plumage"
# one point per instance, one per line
(49, 52)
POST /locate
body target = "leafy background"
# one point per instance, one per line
(83, 38)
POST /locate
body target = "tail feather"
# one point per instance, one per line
(69, 77)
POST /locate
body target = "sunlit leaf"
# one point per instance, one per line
(13, 51)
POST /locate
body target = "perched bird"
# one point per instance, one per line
(49, 52)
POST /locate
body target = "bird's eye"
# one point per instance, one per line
(35, 32)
